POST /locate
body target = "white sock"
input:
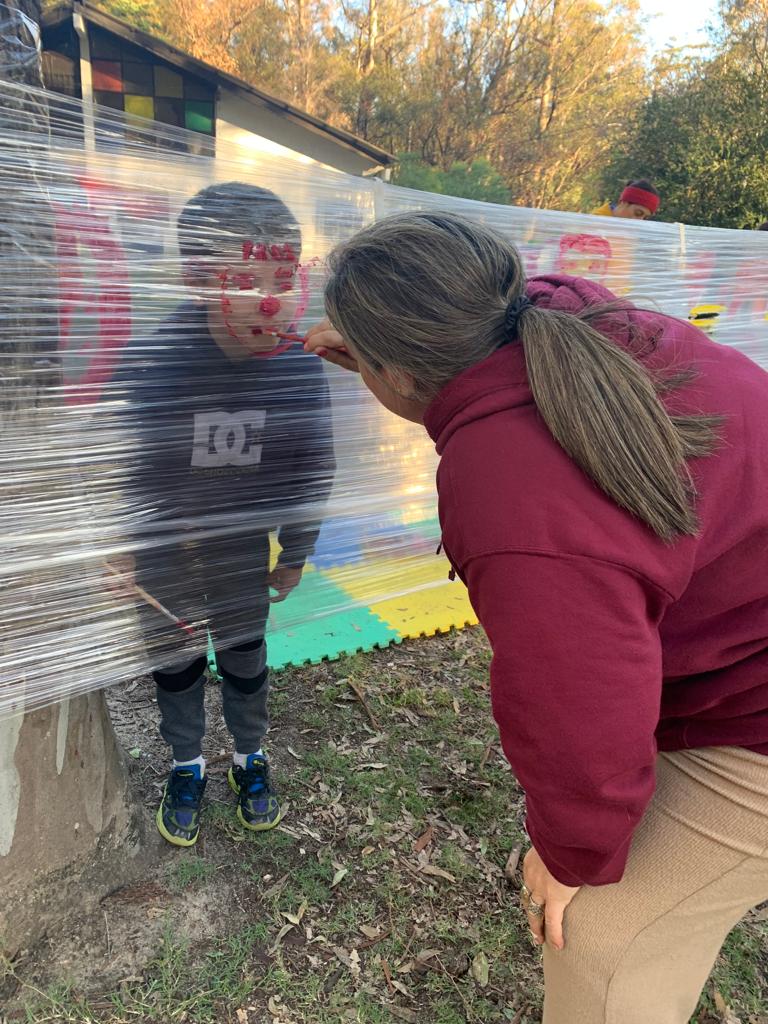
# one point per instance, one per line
(197, 761)
(241, 760)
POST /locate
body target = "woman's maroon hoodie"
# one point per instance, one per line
(608, 643)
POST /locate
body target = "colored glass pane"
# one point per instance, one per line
(169, 111)
(196, 89)
(107, 76)
(109, 99)
(140, 106)
(138, 78)
(198, 116)
(103, 46)
(168, 83)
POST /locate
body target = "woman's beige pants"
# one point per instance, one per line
(640, 951)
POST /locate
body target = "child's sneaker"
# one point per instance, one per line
(257, 807)
(178, 816)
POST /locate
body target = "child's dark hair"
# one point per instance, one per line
(219, 219)
(644, 184)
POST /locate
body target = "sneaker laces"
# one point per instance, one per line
(256, 778)
(184, 787)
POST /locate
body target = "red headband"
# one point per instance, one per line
(640, 197)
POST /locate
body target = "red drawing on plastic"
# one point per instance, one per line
(106, 299)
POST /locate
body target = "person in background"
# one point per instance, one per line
(602, 493)
(228, 435)
(638, 201)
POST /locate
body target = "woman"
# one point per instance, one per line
(602, 487)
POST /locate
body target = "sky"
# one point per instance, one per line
(682, 19)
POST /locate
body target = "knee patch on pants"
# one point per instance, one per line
(248, 686)
(174, 682)
(253, 645)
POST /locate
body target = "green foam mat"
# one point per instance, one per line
(298, 632)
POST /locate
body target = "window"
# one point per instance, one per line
(128, 78)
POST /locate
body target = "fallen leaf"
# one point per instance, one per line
(354, 959)
(512, 861)
(292, 752)
(370, 765)
(481, 969)
(401, 988)
(424, 839)
(427, 954)
(296, 918)
(273, 890)
(367, 851)
(387, 974)
(430, 869)
(368, 932)
(402, 1014)
(338, 876)
(350, 960)
(281, 935)
(242, 1016)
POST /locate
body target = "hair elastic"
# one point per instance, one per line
(514, 311)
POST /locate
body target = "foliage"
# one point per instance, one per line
(475, 180)
(702, 135)
(538, 102)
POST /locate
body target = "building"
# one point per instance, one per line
(91, 55)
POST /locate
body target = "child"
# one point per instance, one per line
(234, 438)
(638, 201)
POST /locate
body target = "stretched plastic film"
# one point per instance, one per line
(171, 457)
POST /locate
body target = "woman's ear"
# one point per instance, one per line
(399, 381)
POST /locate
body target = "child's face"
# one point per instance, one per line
(252, 298)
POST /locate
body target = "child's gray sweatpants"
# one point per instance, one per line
(180, 698)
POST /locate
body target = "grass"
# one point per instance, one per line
(384, 885)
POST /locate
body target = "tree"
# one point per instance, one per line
(475, 180)
(703, 133)
(543, 90)
(69, 831)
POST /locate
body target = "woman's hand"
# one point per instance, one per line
(545, 891)
(323, 340)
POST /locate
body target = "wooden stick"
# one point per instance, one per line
(358, 692)
(152, 601)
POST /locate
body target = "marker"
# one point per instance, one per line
(153, 602)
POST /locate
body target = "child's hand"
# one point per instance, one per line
(283, 579)
(323, 340)
(121, 576)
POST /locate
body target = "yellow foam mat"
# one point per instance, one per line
(426, 601)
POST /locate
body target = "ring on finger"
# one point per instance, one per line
(534, 909)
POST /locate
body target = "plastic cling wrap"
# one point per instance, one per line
(166, 444)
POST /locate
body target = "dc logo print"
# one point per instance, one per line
(227, 439)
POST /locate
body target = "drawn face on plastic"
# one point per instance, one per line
(255, 297)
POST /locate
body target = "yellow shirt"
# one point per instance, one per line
(604, 210)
